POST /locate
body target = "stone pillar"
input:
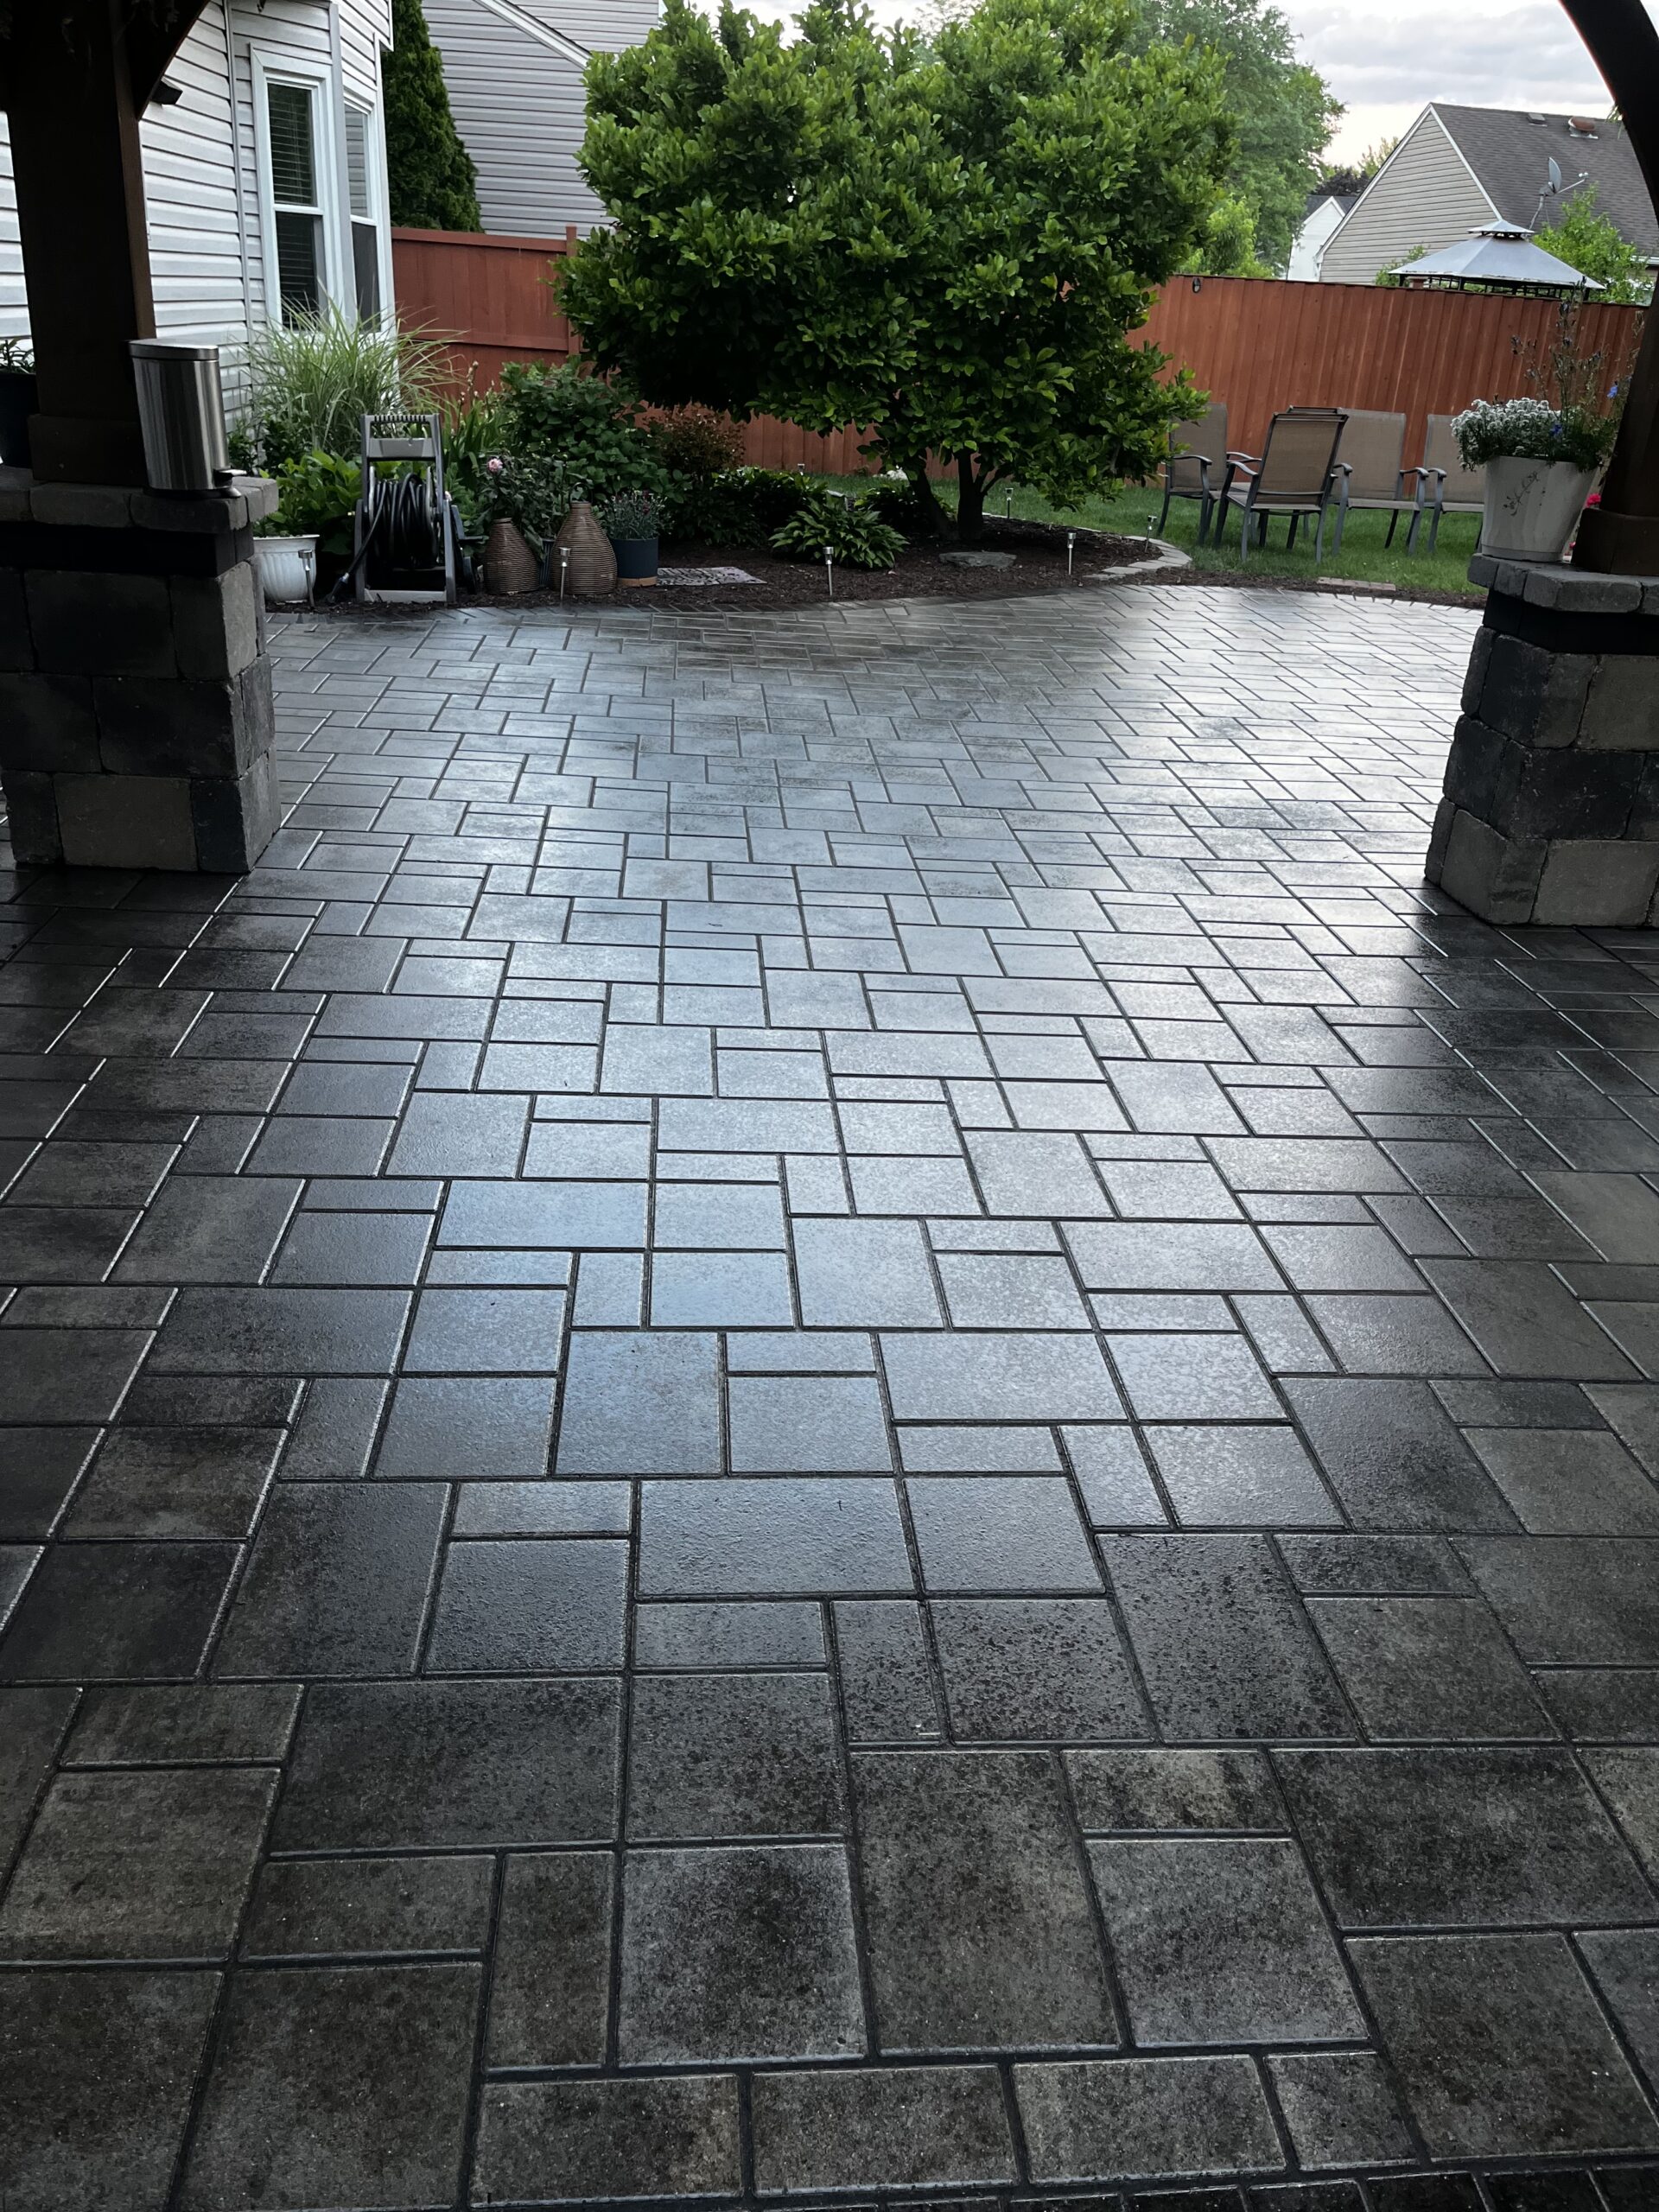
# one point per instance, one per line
(1551, 812)
(135, 719)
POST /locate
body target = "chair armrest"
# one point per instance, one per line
(1252, 458)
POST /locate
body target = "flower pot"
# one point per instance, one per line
(636, 560)
(509, 564)
(19, 399)
(1532, 507)
(287, 570)
(591, 570)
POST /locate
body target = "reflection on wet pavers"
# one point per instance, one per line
(832, 1411)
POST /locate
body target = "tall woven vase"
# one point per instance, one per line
(592, 573)
(509, 564)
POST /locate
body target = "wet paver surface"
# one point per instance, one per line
(832, 1410)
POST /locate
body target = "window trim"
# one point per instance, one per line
(319, 82)
(374, 148)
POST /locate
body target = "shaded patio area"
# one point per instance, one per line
(831, 1407)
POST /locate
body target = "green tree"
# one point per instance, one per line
(1228, 245)
(1283, 112)
(434, 186)
(1591, 244)
(946, 239)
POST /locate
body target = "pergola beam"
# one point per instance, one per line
(1621, 536)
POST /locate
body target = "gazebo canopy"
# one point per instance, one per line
(1499, 259)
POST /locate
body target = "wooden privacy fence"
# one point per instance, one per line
(1261, 343)
(1256, 343)
(494, 294)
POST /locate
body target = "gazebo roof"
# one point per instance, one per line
(1506, 259)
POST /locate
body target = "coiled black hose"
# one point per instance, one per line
(404, 530)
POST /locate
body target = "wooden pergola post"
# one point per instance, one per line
(1621, 536)
(75, 75)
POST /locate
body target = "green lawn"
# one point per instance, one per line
(1364, 557)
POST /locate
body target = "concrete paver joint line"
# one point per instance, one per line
(833, 1411)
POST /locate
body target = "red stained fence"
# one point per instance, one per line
(1258, 343)
(1261, 343)
(495, 294)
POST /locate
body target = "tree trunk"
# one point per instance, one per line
(932, 514)
(971, 487)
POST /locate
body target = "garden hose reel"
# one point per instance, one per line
(407, 531)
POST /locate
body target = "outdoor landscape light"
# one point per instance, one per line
(564, 567)
(1070, 548)
(830, 569)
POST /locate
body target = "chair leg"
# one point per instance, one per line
(1163, 517)
(1342, 519)
(1246, 523)
(1319, 540)
(1393, 516)
(1290, 534)
(1414, 529)
(1435, 531)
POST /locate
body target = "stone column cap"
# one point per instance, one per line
(249, 500)
(1568, 591)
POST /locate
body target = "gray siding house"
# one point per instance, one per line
(265, 180)
(514, 73)
(1459, 168)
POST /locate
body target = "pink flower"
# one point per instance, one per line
(495, 464)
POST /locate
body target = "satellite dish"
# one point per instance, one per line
(1554, 175)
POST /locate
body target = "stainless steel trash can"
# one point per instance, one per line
(181, 410)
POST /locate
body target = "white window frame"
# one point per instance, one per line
(336, 261)
(374, 140)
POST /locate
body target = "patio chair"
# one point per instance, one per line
(1296, 475)
(1449, 487)
(1197, 455)
(1370, 476)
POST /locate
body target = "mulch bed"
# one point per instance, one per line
(1038, 548)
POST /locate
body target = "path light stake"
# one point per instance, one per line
(1150, 520)
(1007, 504)
(1070, 548)
(830, 569)
(564, 567)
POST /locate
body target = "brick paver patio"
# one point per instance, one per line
(830, 1409)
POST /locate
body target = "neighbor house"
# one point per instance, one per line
(264, 172)
(1460, 169)
(514, 73)
(1326, 211)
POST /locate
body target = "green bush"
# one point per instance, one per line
(567, 415)
(433, 184)
(911, 504)
(857, 534)
(311, 382)
(319, 497)
(742, 507)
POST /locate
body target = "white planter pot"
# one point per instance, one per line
(287, 569)
(1532, 507)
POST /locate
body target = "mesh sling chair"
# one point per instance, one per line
(1198, 454)
(1370, 475)
(1295, 476)
(1452, 489)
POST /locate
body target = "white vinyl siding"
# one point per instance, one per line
(204, 193)
(1424, 197)
(519, 103)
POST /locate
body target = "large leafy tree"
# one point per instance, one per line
(946, 239)
(1283, 111)
(1579, 234)
(434, 186)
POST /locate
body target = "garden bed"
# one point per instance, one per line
(1038, 548)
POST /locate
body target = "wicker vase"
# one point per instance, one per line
(592, 573)
(509, 564)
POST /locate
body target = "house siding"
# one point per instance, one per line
(1424, 197)
(201, 173)
(520, 106)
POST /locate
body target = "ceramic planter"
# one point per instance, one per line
(287, 570)
(18, 401)
(1532, 507)
(636, 560)
(509, 564)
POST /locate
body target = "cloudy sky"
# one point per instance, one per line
(1386, 63)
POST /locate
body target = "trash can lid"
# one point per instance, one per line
(162, 349)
